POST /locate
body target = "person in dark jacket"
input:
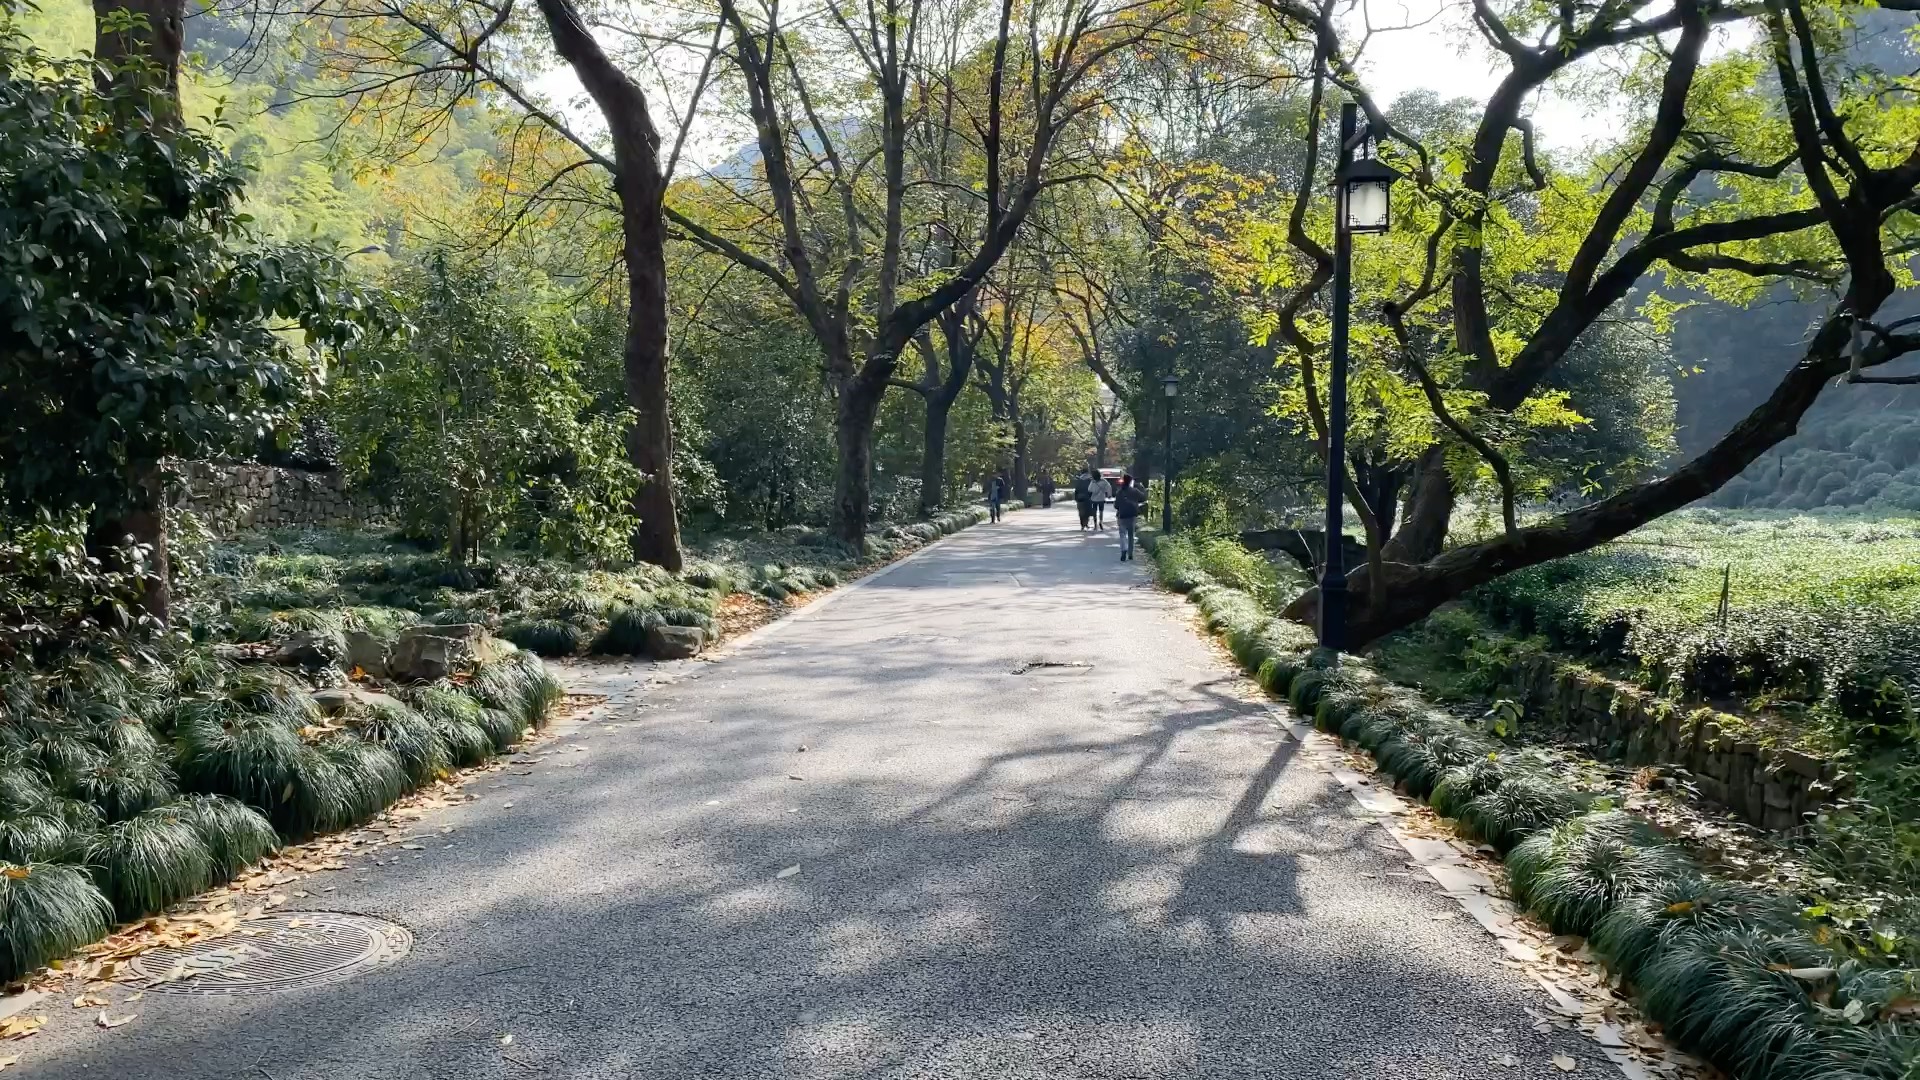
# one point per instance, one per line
(1083, 497)
(1046, 490)
(996, 492)
(1127, 502)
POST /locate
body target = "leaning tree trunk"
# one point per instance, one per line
(641, 187)
(1412, 590)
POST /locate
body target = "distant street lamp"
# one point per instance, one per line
(1361, 206)
(1171, 384)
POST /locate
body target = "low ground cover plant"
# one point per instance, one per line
(1738, 975)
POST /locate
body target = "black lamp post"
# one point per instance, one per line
(1361, 205)
(1171, 384)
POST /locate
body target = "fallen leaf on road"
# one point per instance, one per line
(90, 1001)
(10, 1059)
(106, 1021)
(20, 1027)
(788, 872)
(790, 776)
(506, 1040)
(1564, 1063)
(506, 806)
(1508, 1060)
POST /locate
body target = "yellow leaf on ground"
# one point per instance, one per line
(1564, 1063)
(106, 1021)
(20, 1027)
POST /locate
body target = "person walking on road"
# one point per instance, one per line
(1126, 512)
(996, 492)
(1083, 497)
(1100, 492)
(1046, 490)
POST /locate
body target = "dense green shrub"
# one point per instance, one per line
(1574, 873)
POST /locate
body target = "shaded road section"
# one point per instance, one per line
(1041, 830)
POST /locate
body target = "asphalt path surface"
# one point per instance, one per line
(1008, 867)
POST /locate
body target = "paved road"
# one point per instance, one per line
(1110, 872)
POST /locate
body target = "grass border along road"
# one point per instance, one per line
(1731, 973)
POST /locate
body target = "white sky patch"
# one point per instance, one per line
(1416, 45)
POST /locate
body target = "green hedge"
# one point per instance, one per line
(1733, 974)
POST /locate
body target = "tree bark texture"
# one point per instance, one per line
(154, 42)
(641, 187)
(859, 407)
(143, 52)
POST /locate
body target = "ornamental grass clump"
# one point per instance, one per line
(46, 911)
(626, 632)
(150, 862)
(1520, 806)
(1683, 906)
(547, 637)
(1574, 873)
(236, 835)
(412, 740)
(1421, 755)
(1741, 998)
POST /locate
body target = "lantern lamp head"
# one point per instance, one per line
(1368, 208)
(1171, 384)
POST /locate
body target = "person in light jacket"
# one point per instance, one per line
(1100, 493)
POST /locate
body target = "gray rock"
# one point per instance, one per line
(335, 701)
(432, 651)
(1779, 794)
(674, 642)
(311, 650)
(366, 652)
(1805, 764)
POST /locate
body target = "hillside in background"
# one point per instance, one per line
(1860, 446)
(316, 174)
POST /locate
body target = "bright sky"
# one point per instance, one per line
(1438, 50)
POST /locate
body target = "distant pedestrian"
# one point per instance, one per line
(996, 493)
(1101, 493)
(1046, 490)
(1126, 512)
(1083, 497)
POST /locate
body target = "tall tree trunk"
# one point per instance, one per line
(933, 455)
(117, 540)
(641, 187)
(1144, 430)
(139, 43)
(1018, 481)
(858, 408)
(1423, 532)
(656, 538)
(144, 51)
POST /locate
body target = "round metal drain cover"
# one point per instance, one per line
(282, 951)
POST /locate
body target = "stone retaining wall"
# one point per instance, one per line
(231, 498)
(1767, 786)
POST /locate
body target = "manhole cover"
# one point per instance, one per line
(276, 952)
